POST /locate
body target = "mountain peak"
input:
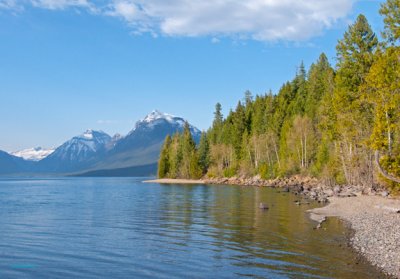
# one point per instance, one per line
(161, 119)
(89, 134)
(77, 152)
(156, 114)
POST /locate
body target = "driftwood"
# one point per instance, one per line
(384, 172)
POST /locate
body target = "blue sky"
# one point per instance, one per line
(69, 65)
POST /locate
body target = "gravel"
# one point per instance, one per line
(376, 224)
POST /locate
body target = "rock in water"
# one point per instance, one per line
(263, 206)
(286, 190)
(385, 194)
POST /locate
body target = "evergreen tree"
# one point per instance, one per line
(391, 12)
(175, 156)
(188, 151)
(355, 53)
(355, 56)
(258, 123)
(204, 153)
(249, 110)
(320, 83)
(216, 130)
(248, 98)
(163, 162)
(239, 128)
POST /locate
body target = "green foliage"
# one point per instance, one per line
(204, 153)
(320, 84)
(215, 132)
(264, 171)
(229, 172)
(163, 162)
(391, 11)
(382, 90)
(355, 54)
(175, 156)
(352, 115)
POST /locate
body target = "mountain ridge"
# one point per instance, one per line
(97, 152)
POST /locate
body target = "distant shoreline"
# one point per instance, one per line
(175, 181)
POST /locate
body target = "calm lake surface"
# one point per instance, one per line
(122, 228)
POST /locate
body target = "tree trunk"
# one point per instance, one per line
(298, 156)
(305, 151)
(344, 166)
(382, 171)
(277, 155)
(389, 132)
(302, 152)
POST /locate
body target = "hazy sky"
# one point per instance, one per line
(70, 65)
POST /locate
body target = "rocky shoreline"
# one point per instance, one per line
(371, 213)
(375, 222)
(308, 187)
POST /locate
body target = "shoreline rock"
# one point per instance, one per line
(308, 187)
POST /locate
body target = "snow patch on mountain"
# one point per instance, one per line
(83, 146)
(88, 134)
(94, 140)
(33, 154)
(156, 118)
(155, 115)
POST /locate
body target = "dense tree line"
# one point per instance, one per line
(331, 123)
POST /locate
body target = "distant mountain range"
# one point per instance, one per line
(95, 153)
(33, 154)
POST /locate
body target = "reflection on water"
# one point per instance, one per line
(119, 228)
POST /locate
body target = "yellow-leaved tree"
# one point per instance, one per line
(382, 89)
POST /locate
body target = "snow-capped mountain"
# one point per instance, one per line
(142, 145)
(153, 129)
(156, 119)
(96, 152)
(81, 147)
(33, 154)
(76, 153)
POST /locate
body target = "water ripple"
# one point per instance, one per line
(119, 228)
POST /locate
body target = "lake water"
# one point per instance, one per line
(122, 228)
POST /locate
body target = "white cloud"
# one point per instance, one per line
(62, 4)
(10, 5)
(263, 20)
(215, 40)
(125, 9)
